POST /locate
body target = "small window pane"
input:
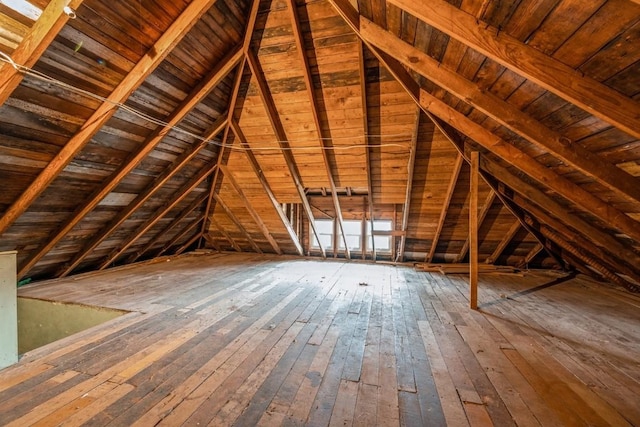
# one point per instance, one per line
(324, 227)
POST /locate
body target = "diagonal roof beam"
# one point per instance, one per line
(233, 101)
(407, 198)
(33, 45)
(457, 166)
(163, 46)
(225, 233)
(145, 195)
(178, 196)
(254, 214)
(196, 95)
(531, 255)
(257, 169)
(511, 154)
(367, 141)
(181, 234)
(551, 74)
(236, 221)
(588, 163)
(322, 135)
(274, 118)
(481, 216)
(527, 195)
(189, 242)
(185, 212)
(583, 241)
(503, 243)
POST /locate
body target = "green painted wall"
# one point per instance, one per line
(42, 322)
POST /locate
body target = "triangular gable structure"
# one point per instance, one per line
(144, 128)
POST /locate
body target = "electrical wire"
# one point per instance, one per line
(43, 77)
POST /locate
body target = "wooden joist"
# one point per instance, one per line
(548, 72)
(257, 170)
(322, 134)
(278, 129)
(33, 45)
(507, 115)
(178, 196)
(163, 46)
(455, 172)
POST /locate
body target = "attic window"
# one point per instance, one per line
(24, 8)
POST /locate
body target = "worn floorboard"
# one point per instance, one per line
(245, 339)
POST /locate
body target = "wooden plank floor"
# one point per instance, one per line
(241, 339)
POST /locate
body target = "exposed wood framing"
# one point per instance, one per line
(473, 229)
(169, 39)
(34, 43)
(481, 216)
(457, 166)
(179, 195)
(125, 213)
(531, 255)
(236, 221)
(183, 233)
(274, 118)
(222, 158)
(225, 234)
(322, 135)
(513, 230)
(528, 193)
(196, 95)
(247, 204)
(504, 113)
(407, 201)
(465, 151)
(185, 212)
(266, 187)
(189, 243)
(551, 74)
(367, 142)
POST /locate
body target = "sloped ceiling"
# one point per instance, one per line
(143, 128)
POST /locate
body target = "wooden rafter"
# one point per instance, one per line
(551, 74)
(185, 212)
(433, 106)
(33, 45)
(225, 234)
(531, 255)
(506, 239)
(133, 206)
(236, 221)
(274, 118)
(222, 153)
(255, 166)
(457, 166)
(587, 243)
(409, 188)
(178, 196)
(196, 95)
(504, 113)
(158, 52)
(465, 150)
(481, 216)
(528, 193)
(322, 135)
(181, 234)
(367, 142)
(184, 247)
(254, 214)
(599, 266)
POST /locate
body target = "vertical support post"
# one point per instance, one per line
(473, 230)
(8, 309)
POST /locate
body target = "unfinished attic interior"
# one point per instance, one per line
(293, 204)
